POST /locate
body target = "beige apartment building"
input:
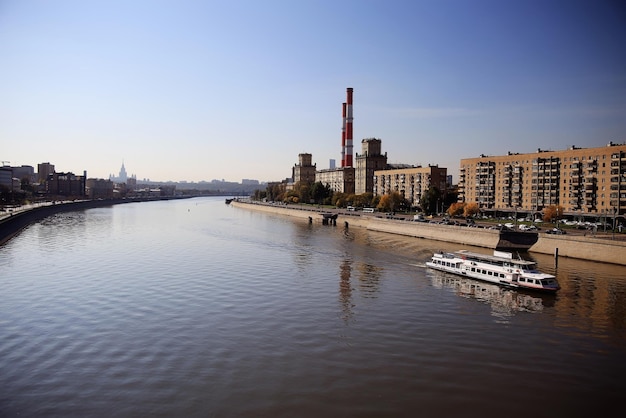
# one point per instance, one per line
(339, 180)
(584, 181)
(412, 182)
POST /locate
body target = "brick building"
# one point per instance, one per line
(411, 182)
(581, 180)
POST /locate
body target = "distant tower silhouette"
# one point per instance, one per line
(123, 176)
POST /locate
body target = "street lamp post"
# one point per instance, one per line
(614, 213)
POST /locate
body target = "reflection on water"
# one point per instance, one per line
(504, 302)
(345, 289)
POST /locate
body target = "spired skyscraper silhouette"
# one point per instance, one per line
(123, 176)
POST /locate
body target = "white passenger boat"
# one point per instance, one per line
(500, 268)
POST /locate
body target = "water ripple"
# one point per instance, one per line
(196, 308)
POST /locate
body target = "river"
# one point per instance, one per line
(195, 308)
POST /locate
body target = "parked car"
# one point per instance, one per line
(525, 227)
(556, 231)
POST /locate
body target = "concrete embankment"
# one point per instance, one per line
(19, 220)
(586, 248)
(456, 234)
(602, 250)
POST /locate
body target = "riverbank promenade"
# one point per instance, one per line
(602, 247)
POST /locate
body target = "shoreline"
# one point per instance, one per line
(580, 247)
(12, 225)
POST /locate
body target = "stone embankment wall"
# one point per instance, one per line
(17, 221)
(478, 237)
(455, 234)
(587, 248)
(13, 224)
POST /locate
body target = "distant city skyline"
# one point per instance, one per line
(194, 91)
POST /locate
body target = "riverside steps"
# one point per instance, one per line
(586, 248)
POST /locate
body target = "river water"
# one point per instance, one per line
(196, 308)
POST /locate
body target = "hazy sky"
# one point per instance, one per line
(202, 90)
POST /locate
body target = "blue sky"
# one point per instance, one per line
(202, 90)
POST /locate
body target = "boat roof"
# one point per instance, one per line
(493, 258)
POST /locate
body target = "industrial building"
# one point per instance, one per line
(341, 179)
(369, 171)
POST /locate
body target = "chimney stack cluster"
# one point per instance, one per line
(346, 131)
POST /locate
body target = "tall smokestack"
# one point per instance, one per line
(349, 129)
(343, 137)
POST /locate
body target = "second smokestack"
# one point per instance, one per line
(348, 119)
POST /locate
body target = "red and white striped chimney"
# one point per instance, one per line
(343, 137)
(349, 128)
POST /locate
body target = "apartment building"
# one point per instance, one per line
(339, 180)
(412, 182)
(581, 180)
(366, 163)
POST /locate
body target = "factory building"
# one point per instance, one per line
(341, 179)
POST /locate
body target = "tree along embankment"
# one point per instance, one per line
(602, 250)
(12, 225)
